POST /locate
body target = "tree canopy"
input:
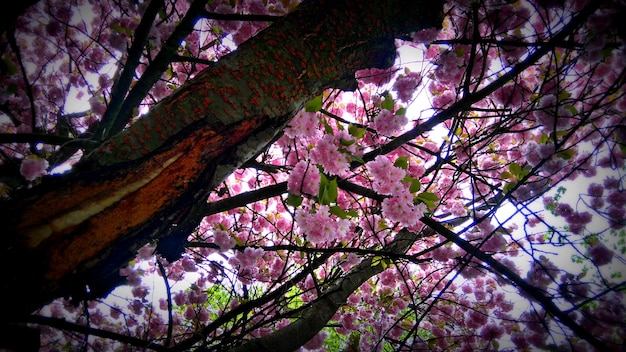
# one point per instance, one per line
(325, 175)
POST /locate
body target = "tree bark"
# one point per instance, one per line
(70, 236)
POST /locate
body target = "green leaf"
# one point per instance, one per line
(543, 138)
(427, 198)
(357, 158)
(328, 190)
(564, 95)
(571, 109)
(415, 185)
(294, 200)
(402, 162)
(323, 186)
(515, 169)
(387, 104)
(8, 66)
(347, 142)
(506, 175)
(314, 105)
(333, 190)
(356, 132)
(566, 154)
(337, 210)
(379, 260)
(401, 111)
(508, 186)
(328, 129)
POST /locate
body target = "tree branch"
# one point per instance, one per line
(120, 88)
(239, 17)
(45, 139)
(527, 288)
(470, 99)
(314, 317)
(65, 325)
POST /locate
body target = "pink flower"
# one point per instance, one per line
(146, 252)
(425, 35)
(33, 167)
(304, 178)
(304, 124)
(600, 254)
(375, 76)
(509, 95)
(387, 123)
(595, 190)
(492, 331)
(320, 226)
(495, 243)
(449, 69)
(97, 106)
(387, 278)
(139, 291)
(401, 209)
(385, 174)
(188, 264)
(327, 154)
(316, 342)
(224, 240)
(406, 85)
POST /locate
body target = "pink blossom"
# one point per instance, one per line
(188, 264)
(139, 291)
(449, 69)
(304, 178)
(97, 106)
(197, 296)
(190, 313)
(509, 95)
(495, 243)
(304, 124)
(228, 26)
(33, 167)
(616, 198)
(388, 278)
(115, 312)
(443, 254)
(375, 76)
(595, 190)
(224, 240)
(327, 154)
(401, 209)
(542, 272)
(320, 226)
(611, 183)
(387, 123)
(600, 254)
(406, 85)
(347, 321)
(146, 252)
(384, 174)
(316, 342)
(492, 331)
(531, 152)
(564, 210)
(425, 35)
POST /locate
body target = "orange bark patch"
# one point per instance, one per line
(167, 175)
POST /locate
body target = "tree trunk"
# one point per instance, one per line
(70, 236)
